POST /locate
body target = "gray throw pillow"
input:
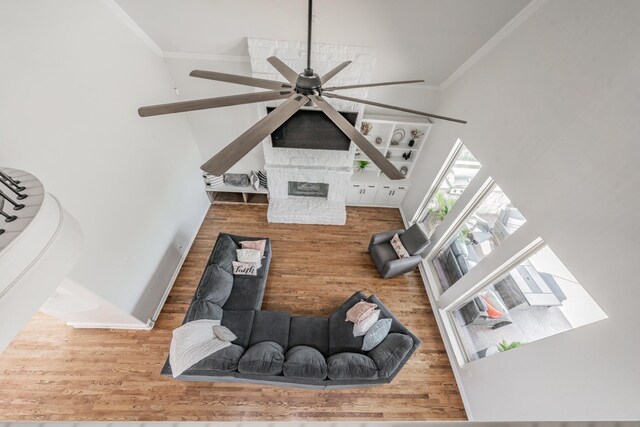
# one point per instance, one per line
(376, 334)
(216, 285)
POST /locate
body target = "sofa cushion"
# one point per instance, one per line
(414, 239)
(305, 362)
(264, 358)
(390, 352)
(311, 332)
(344, 366)
(202, 309)
(225, 360)
(376, 334)
(341, 337)
(382, 253)
(246, 293)
(240, 323)
(224, 252)
(215, 285)
(271, 326)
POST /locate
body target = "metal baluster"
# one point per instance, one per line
(16, 206)
(12, 182)
(19, 195)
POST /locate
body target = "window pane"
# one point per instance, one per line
(455, 180)
(486, 226)
(537, 299)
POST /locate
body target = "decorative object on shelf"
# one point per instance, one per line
(212, 180)
(262, 176)
(415, 134)
(404, 170)
(362, 165)
(236, 179)
(406, 155)
(388, 155)
(398, 136)
(378, 140)
(365, 127)
(255, 182)
(358, 152)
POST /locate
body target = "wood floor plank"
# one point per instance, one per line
(53, 372)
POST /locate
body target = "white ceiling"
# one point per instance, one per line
(426, 39)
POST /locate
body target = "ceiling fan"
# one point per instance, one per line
(306, 88)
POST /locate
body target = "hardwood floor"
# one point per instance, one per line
(53, 372)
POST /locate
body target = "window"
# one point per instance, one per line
(456, 177)
(482, 230)
(537, 298)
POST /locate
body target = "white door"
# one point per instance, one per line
(396, 196)
(354, 194)
(369, 194)
(382, 196)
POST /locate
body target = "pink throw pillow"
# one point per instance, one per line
(360, 311)
(258, 245)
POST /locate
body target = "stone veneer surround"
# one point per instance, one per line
(319, 166)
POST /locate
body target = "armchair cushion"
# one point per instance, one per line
(400, 266)
(414, 239)
(382, 253)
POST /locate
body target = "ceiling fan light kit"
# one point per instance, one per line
(299, 90)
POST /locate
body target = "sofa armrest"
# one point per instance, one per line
(400, 266)
(384, 236)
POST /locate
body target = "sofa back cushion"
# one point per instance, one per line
(271, 326)
(203, 309)
(240, 323)
(341, 337)
(310, 331)
(224, 252)
(215, 285)
(347, 366)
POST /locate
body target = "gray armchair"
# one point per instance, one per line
(414, 240)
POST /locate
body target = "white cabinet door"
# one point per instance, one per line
(396, 195)
(382, 196)
(369, 194)
(355, 193)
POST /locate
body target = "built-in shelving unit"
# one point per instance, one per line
(392, 136)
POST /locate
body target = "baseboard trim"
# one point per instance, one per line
(136, 326)
(447, 344)
(158, 310)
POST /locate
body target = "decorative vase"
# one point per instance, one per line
(378, 140)
(412, 142)
(404, 170)
(388, 155)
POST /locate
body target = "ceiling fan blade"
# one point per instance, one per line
(373, 85)
(241, 80)
(283, 69)
(236, 150)
(202, 104)
(391, 107)
(365, 146)
(333, 72)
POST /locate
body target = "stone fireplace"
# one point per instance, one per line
(309, 186)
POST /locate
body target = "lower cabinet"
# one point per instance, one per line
(375, 194)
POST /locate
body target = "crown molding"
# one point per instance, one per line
(514, 23)
(126, 20)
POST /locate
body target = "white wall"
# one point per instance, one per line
(73, 77)
(553, 116)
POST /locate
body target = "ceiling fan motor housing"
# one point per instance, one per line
(308, 83)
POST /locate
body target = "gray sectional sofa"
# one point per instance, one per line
(280, 349)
